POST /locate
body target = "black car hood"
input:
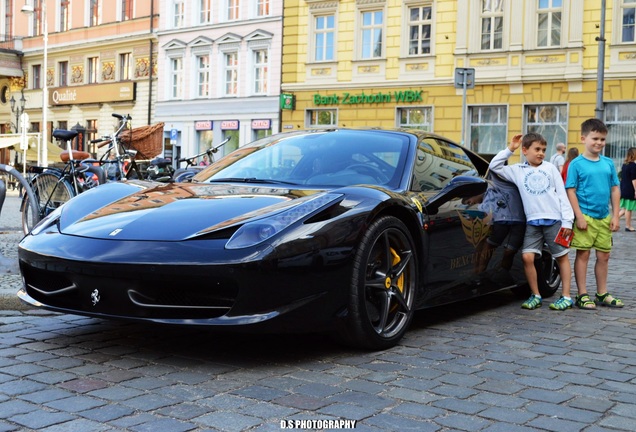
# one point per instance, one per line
(177, 211)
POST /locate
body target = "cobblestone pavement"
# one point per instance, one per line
(485, 365)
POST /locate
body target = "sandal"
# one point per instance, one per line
(607, 300)
(584, 302)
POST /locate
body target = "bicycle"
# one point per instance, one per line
(191, 168)
(52, 186)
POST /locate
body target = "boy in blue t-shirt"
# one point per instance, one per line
(592, 183)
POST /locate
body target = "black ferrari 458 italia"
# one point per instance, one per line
(346, 231)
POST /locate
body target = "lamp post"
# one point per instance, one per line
(17, 110)
(28, 9)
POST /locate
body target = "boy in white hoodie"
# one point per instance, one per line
(547, 209)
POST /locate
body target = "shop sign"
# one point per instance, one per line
(400, 96)
(203, 125)
(261, 124)
(287, 101)
(93, 93)
(230, 125)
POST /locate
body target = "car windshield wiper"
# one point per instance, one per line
(249, 180)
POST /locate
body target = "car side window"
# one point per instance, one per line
(437, 162)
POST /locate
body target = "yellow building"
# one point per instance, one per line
(527, 65)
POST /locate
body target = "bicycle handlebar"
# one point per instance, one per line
(208, 152)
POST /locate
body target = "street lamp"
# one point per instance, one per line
(28, 9)
(17, 110)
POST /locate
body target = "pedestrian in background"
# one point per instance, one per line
(628, 188)
(547, 210)
(592, 184)
(558, 159)
(572, 153)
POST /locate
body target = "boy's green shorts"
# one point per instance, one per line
(598, 235)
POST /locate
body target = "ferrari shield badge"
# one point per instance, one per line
(95, 298)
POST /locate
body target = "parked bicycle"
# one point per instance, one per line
(52, 186)
(191, 168)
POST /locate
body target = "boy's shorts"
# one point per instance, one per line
(598, 235)
(536, 236)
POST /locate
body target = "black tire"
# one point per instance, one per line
(383, 286)
(548, 275)
(49, 195)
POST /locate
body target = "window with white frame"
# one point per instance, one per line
(126, 10)
(203, 75)
(36, 18)
(62, 74)
(230, 73)
(549, 14)
(93, 70)
(176, 77)
(420, 22)
(620, 119)
(551, 121)
(492, 23)
(628, 16)
(321, 118)
(125, 66)
(371, 34)
(488, 128)
(262, 8)
(205, 11)
(178, 13)
(233, 9)
(324, 37)
(94, 9)
(415, 118)
(36, 82)
(64, 17)
(261, 67)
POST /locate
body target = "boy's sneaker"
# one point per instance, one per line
(533, 302)
(562, 304)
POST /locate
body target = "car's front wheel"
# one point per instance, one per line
(383, 286)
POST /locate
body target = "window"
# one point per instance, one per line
(231, 73)
(492, 18)
(417, 117)
(262, 8)
(437, 163)
(620, 119)
(628, 8)
(62, 124)
(93, 70)
(419, 25)
(324, 30)
(203, 75)
(91, 134)
(549, 23)
(36, 21)
(37, 76)
(178, 9)
(176, 77)
(488, 128)
(372, 25)
(205, 11)
(64, 11)
(233, 9)
(126, 10)
(125, 66)
(62, 74)
(8, 21)
(93, 13)
(551, 121)
(261, 64)
(322, 118)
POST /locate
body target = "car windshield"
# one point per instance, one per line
(329, 158)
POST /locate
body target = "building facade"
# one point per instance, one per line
(477, 71)
(219, 73)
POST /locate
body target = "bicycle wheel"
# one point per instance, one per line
(50, 192)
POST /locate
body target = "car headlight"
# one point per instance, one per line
(48, 221)
(255, 232)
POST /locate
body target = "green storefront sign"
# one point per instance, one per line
(401, 96)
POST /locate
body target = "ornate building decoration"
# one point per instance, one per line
(77, 76)
(108, 71)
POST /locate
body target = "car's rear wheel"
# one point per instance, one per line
(548, 277)
(383, 286)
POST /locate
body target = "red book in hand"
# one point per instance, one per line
(562, 239)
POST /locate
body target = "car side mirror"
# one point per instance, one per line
(458, 187)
